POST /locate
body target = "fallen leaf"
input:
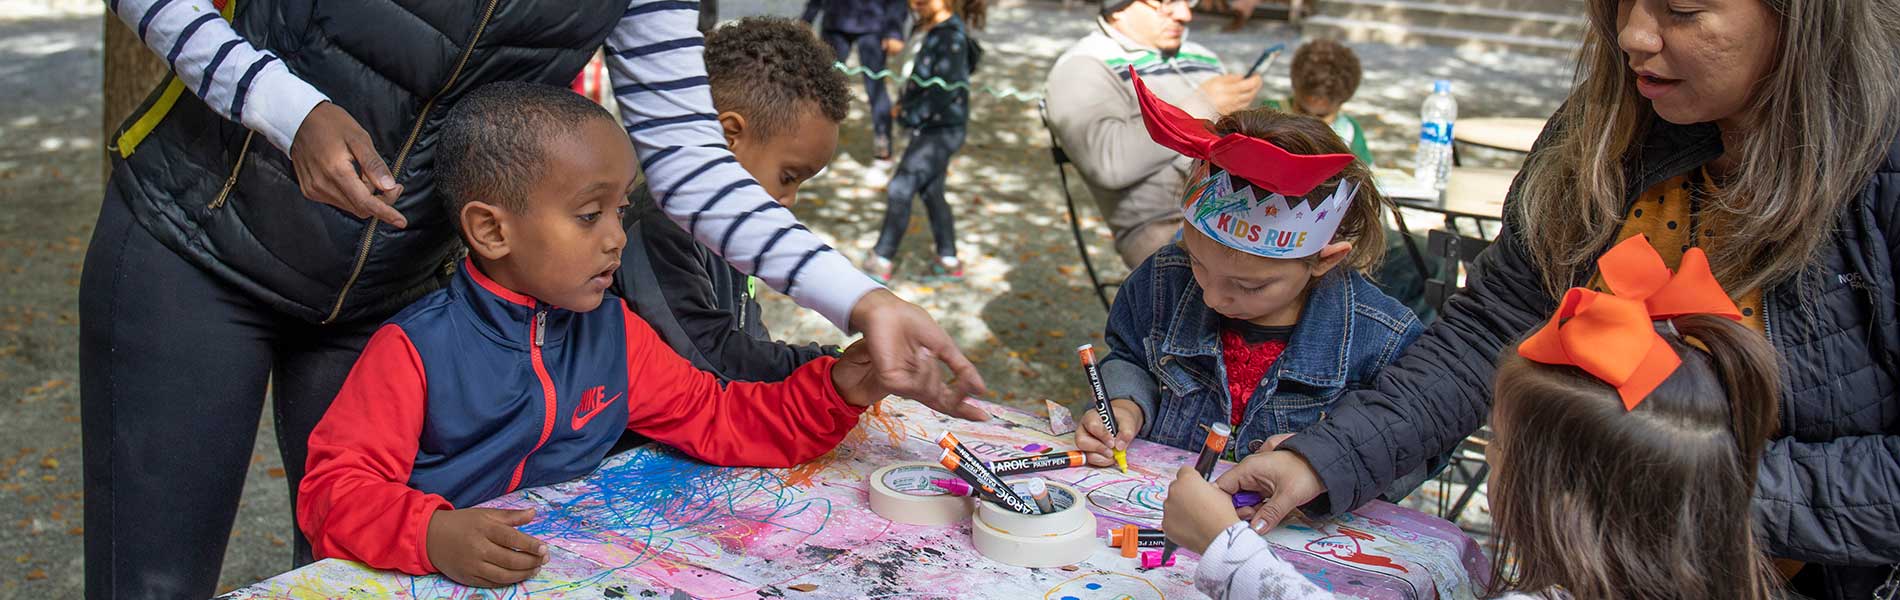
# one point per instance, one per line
(76, 531)
(275, 472)
(49, 463)
(803, 587)
(1070, 568)
(36, 574)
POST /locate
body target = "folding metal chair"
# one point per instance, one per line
(1075, 221)
(1467, 464)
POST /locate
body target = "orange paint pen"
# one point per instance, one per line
(1087, 352)
(1131, 539)
(969, 461)
(1217, 436)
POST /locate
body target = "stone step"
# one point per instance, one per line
(1536, 36)
(1460, 16)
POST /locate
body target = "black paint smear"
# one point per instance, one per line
(618, 591)
(771, 591)
(819, 554)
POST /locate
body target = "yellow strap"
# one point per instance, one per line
(129, 140)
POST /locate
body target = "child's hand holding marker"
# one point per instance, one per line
(1196, 511)
(480, 547)
(1093, 440)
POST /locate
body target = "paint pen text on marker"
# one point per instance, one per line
(1102, 409)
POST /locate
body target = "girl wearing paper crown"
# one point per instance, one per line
(1262, 314)
(1628, 430)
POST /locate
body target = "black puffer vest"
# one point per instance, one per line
(225, 199)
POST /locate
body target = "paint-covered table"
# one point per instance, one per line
(652, 523)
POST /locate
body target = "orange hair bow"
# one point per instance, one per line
(1613, 336)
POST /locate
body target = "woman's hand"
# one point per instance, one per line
(906, 345)
(337, 165)
(1282, 476)
(1196, 512)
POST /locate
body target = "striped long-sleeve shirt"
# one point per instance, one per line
(655, 56)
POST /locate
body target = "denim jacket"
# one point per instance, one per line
(1164, 353)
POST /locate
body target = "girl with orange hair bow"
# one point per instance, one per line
(1627, 432)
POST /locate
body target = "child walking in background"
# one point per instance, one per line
(1262, 315)
(1628, 430)
(935, 107)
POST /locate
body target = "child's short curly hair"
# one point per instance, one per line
(1326, 69)
(769, 68)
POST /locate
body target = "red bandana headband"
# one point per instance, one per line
(1255, 160)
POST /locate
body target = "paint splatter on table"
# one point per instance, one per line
(653, 523)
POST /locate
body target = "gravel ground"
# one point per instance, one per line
(1025, 306)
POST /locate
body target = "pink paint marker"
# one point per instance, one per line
(955, 487)
(1151, 560)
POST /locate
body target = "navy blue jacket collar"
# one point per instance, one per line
(1315, 356)
(504, 315)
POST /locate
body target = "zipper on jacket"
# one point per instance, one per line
(535, 336)
(231, 181)
(402, 156)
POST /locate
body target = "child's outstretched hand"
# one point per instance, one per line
(1196, 511)
(480, 547)
(1092, 437)
(855, 377)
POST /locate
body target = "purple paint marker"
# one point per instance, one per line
(1246, 498)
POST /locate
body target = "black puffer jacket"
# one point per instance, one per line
(1829, 488)
(229, 202)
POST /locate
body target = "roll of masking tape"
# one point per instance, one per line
(903, 492)
(1069, 514)
(1064, 537)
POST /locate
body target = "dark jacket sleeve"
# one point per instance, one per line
(1837, 501)
(668, 286)
(1439, 390)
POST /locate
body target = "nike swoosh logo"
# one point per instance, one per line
(583, 413)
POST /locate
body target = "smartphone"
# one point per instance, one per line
(1266, 57)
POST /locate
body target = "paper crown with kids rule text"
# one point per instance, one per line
(1250, 194)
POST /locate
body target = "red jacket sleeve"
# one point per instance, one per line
(355, 502)
(736, 424)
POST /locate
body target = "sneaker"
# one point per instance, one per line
(879, 268)
(946, 269)
(881, 148)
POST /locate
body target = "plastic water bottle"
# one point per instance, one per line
(1434, 136)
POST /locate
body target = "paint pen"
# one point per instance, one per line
(1087, 352)
(1039, 491)
(959, 457)
(1024, 465)
(954, 487)
(950, 461)
(1217, 436)
(1246, 498)
(1130, 539)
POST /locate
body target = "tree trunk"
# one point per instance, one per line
(131, 71)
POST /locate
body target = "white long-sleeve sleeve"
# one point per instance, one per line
(1241, 565)
(237, 80)
(655, 55)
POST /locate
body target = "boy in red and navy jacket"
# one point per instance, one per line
(522, 372)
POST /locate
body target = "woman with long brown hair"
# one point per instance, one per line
(1764, 132)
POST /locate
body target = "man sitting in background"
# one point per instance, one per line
(1136, 182)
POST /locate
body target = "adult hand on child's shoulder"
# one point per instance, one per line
(1283, 476)
(480, 547)
(905, 345)
(1092, 436)
(337, 164)
(1196, 511)
(855, 377)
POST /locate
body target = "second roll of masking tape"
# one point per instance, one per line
(1063, 537)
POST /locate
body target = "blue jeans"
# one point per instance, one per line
(870, 56)
(921, 172)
